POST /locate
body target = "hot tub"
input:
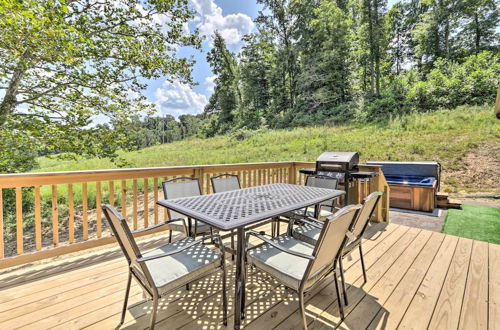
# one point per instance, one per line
(423, 181)
(413, 185)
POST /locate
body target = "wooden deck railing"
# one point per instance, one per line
(49, 214)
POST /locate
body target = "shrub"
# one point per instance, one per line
(450, 84)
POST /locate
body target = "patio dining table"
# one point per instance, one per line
(237, 209)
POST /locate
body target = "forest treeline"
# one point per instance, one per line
(332, 61)
(315, 62)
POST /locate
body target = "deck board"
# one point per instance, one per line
(416, 279)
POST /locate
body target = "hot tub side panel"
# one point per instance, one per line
(412, 197)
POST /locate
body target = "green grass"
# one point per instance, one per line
(481, 223)
(445, 136)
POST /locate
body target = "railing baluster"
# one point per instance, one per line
(71, 215)
(85, 218)
(38, 219)
(155, 194)
(55, 217)
(165, 212)
(134, 203)
(98, 202)
(208, 184)
(112, 193)
(146, 203)
(124, 198)
(1, 224)
(19, 220)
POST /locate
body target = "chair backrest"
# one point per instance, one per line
(122, 232)
(332, 239)
(225, 182)
(322, 181)
(180, 187)
(369, 204)
(128, 245)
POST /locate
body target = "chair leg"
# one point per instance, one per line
(343, 281)
(153, 313)
(273, 226)
(224, 294)
(362, 262)
(277, 226)
(170, 236)
(127, 291)
(302, 310)
(232, 244)
(339, 300)
(187, 287)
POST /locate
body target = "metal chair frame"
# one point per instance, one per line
(138, 268)
(351, 210)
(355, 240)
(188, 228)
(220, 177)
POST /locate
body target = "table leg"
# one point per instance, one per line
(239, 298)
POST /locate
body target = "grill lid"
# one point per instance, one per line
(339, 157)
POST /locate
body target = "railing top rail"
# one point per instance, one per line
(41, 178)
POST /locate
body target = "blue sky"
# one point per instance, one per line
(233, 19)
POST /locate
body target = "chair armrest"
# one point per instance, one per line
(313, 222)
(331, 207)
(279, 247)
(218, 242)
(166, 254)
(155, 226)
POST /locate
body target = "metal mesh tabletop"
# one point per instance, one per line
(237, 208)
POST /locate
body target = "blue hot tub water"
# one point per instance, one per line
(425, 181)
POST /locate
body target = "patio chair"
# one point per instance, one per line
(319, 181)
(168, 267)
(299, 265)
(184, 187)
(226, 182)
(311, 229)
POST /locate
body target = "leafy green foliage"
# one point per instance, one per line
(451, 84)
(64, 63)
(328, 62)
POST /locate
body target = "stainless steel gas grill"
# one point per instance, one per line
(342, 166)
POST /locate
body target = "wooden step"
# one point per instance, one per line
(454, 204)
(442, 196)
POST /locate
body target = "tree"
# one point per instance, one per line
(279, 18)
(256, 64)
(65, 62)
(479, 27)
(325, 80)
(226, 97)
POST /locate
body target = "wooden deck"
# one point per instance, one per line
(416, 279)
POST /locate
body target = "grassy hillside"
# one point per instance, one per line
(446, 136)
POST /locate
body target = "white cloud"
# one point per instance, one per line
(178, 99)
(231, 27)
(210, 83)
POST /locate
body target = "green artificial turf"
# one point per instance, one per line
(477, 222)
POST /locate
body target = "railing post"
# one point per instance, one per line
(292, 174)
(1, 224)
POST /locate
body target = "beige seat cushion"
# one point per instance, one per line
(285, 267)
(307, 233)
(323, 214)
(181, 268)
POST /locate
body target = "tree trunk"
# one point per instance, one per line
(478, 33)
(370, 38)
(9, 101)
(376, 47)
